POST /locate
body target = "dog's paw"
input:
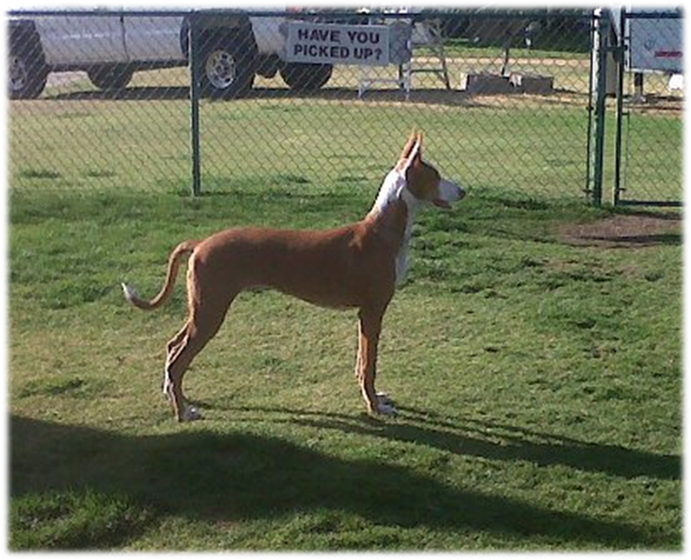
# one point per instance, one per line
(190, 414)
(385, 405)
(386, 409)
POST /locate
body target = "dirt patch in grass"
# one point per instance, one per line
(625, 231)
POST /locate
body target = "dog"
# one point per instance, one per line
(355, 266)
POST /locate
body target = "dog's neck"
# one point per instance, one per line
(394, 211)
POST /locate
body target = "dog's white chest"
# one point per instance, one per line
(393, 190)
(402, 264)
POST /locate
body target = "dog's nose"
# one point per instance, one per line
(450, 192)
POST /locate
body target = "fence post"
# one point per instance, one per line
(620, 53)
(193, 35)
(601, 22)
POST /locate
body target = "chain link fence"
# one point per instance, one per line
(102, 100)
(649, 108)
(651, 144)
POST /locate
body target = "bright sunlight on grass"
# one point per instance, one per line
(538, 383)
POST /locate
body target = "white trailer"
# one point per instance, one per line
(654, 38)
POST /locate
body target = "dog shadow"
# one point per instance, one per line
(489, 440)
(215, 478)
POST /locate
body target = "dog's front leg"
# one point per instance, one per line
(368, 344)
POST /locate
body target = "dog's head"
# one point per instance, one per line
(422, 180)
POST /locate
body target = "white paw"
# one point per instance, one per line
(385, 405)
(191, 413)
(386, 409)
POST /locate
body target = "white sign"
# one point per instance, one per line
(660, 44)
(327, 43)
(656, 44)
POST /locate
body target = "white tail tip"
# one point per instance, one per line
(130, 294)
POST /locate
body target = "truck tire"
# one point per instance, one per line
(304, 77)
(110, 77)
(27, 69)
(228, 66)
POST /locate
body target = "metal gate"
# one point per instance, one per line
(637, 73)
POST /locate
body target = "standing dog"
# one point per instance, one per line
(354, 266)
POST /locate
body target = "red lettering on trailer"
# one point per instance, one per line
(668, 54)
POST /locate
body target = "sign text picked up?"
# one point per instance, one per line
(326, 43)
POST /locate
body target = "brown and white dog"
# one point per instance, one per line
(354, 266)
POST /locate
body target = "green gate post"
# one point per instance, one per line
(193, 35)
(600, 43)
(620, 53)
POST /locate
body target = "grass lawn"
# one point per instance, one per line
(130, 144)
(527, 145)
(538, 384)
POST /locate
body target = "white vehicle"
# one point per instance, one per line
(232, 46)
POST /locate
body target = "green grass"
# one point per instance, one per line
(568, 48)
(539, 384)
(526, 145)
(121, 144)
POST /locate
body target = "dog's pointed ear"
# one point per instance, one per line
(413, 154)
(416, 151)
(407, 149)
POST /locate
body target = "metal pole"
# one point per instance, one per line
(194, 104)
(621, 59)
(589, 134)
(602, 29)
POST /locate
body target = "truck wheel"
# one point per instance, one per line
(27, 76)
(305, 77)
(110, 77)
(228, 65)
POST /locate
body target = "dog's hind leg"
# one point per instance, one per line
(206, 317)
(172, 348)
(197, 335)
(358, 360)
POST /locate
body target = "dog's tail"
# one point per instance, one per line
(176, 255)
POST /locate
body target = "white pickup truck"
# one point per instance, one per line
(232, 46)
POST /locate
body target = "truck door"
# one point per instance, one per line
(77, 40)
(159, 38)
(154, 38)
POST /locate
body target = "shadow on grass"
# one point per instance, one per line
(268, 207)
(633, 241)
(213, 477)
(497, 442)
(136, 93)
(426, 96)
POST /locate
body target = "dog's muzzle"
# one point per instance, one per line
(448, 193)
